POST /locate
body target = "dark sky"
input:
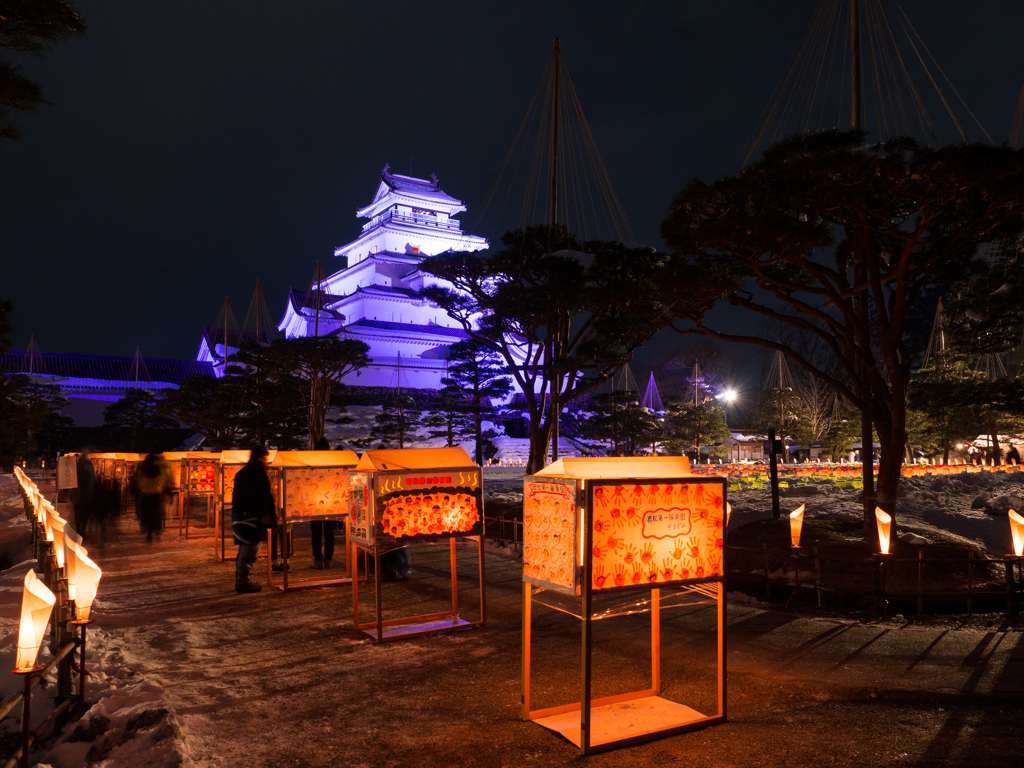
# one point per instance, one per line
(192, 147)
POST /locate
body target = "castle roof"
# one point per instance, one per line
(395, 188)
(406, 328)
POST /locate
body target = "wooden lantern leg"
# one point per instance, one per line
(527, 632)
(455, 578)
(377, 592)
(483, 589)
(354, 553)
(656, 641)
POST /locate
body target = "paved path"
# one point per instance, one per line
(282, 679)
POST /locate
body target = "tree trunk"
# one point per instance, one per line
(540, 440)
(319, 400)
(890, 464)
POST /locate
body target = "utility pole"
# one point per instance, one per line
(556, 55)
(860, 277)
(555, 402)
(774, 475)
(855, 66)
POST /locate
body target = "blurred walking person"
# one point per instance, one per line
(151, 481)
(253, 512)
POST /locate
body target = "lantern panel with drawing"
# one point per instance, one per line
(401, 497)
(198, 480)
(606, 537)
(313, 488)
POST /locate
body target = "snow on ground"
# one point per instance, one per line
(186, 672)
(512, 451)
(130, 723)
(972, 506)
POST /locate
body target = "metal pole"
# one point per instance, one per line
(855, 66)
(774, 469)
(26, 715)
(556, 54)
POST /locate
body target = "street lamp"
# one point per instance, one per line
(728, 397)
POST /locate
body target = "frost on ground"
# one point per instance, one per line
(186, 672)
(971, 506)
(130, 723)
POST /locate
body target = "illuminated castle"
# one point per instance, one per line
(376, 296)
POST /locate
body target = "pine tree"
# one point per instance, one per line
(690, 426)
(395, 426)
(476, 380)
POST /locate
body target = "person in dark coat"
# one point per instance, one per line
(322, 531)
(253, 512)
(84, 496)
(152, 477)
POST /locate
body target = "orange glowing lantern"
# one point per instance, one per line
(401, 497)
(56, 531)
(884, 524)
(1017, 532)
(36, 606)
(593, 527)
(87, 578)
(796, 524)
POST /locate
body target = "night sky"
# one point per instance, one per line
(192, 147)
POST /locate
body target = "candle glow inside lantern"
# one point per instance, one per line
(1017, 532)
(594, 527)
(401, 497)
(312, 486)
(57, 525)
(72, 543)
(37, 603)
(87, 576)
(884, 523)
(796, 524)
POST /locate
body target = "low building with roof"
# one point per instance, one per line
(92, 382)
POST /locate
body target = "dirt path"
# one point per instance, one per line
(282, 680)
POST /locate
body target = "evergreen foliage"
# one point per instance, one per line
(395, 426)
(564, 316)
(690, 426)
(135, 418)
(840, 240)
(29, 26)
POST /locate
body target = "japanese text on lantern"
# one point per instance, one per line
(656, 533)
(359, 507)
(549, 533)
(429, 504)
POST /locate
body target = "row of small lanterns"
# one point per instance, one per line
(884, 520)
(37, 604)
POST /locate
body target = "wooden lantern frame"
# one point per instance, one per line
(185, 494)
(386, 630)
(594, 725)
(351, 564)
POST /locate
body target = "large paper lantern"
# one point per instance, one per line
(884, 525)
(36, 606)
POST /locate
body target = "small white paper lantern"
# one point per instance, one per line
(36, 606)
(884, 525)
